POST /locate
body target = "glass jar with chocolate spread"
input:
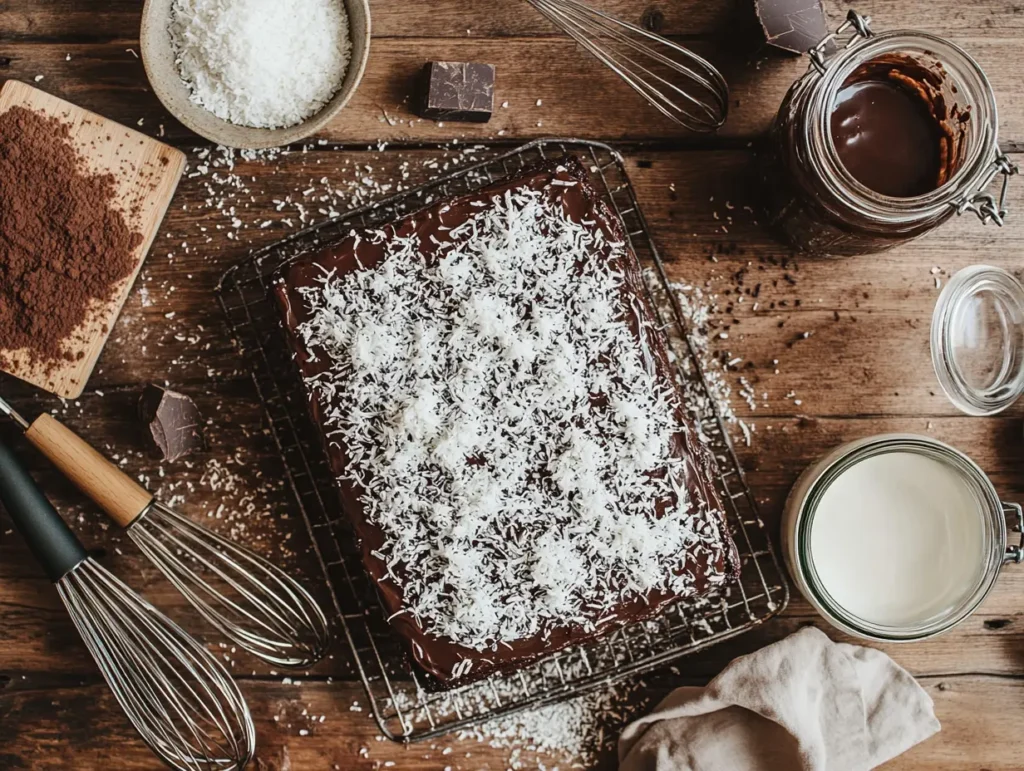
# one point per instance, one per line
(884, 139)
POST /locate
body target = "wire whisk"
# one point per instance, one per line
(249, 600)
(683, 86)
(180, 699)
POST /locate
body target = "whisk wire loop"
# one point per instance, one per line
(185, 692)
(194, 545)
(204, 598)
(680, 84)
(249, 600)
(185, 687)
(139, 698)
(576, 15)
(175, 530)
(639, 76)
(177, 695)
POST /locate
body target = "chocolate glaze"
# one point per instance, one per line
(436, 655)
(891, 128)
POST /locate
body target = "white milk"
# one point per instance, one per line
(898, 539)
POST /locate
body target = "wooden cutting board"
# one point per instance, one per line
(147, 174)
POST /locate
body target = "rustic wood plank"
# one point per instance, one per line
(883, 302)
(44, 720)
(784, 442)
(38, 636)
(235, 487)
(580, 97)
(63, 19)
(847, 384)
(66, 20)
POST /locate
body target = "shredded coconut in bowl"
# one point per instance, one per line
(261, 63)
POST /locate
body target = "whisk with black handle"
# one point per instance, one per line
(680, 84)
(248, 599)
(180, 699)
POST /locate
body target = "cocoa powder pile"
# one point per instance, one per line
(64, 246)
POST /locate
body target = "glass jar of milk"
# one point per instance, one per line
(898, 537)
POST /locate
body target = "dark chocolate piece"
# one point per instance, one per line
(442, 657)
(792, 25)
(173, 421)
(887, 135)
(457, 91)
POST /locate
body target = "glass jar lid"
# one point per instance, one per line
(977, 339)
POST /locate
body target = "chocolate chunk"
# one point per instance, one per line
(792, 25)
(457, 91)
(173, 420)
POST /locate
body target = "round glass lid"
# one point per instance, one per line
(978, 339)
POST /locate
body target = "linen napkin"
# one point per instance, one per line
(802, 704)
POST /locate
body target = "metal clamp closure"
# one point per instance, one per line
(1014, 524)
(861, 26)
(985, 204)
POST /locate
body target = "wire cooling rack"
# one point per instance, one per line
(407, 704)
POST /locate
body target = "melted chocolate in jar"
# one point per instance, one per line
(888, 135)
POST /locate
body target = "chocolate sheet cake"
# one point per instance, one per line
(504, 423)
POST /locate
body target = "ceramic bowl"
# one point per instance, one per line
(171, 90)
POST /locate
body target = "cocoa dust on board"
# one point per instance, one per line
(64, 245)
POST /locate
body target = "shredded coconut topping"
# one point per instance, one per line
(505, 424)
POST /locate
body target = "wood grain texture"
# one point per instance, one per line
(146, 174)
(580, 97)
(64, 21)
(864, 370)
(45, 717)
(839, 400)
(883, 301)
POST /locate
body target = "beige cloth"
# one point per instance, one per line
(802, 704)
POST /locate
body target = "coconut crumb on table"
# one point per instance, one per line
(570, 734)
(350, 185)
(573, 734)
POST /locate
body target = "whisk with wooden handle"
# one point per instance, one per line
(680, 84)
(250, 601)
(180, 699)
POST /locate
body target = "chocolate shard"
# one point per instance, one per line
(173, 421)
(457, 91)
(792, 25)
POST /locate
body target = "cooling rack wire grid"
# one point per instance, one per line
(407, 705)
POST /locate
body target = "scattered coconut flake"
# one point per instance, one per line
(576, 732)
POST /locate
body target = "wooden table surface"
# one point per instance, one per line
(865, 369)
